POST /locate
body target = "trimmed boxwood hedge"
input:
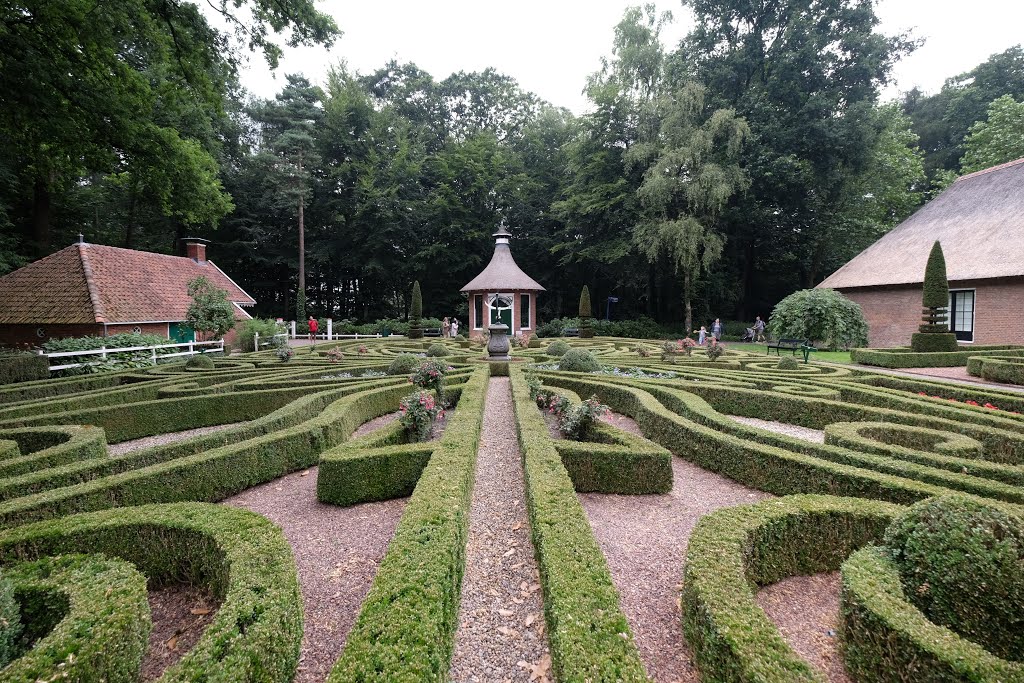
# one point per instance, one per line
(616, 461)
(887, 639)
(406, 628)
(589, 636)
(44, 447)
(906, 358)
(239, 556)
(881, 437)
(734, 549)
(23, 367)
(87, 617)
(1005, 369)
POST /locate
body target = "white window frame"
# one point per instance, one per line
(478, 319)
(974, 313)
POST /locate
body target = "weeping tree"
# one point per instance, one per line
(691, 169)
(933, 334)
(586, 322)
(416, 313)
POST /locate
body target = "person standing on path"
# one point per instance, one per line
(455, 327)
(446, 328)
(716, 329)
(314, 327)
(759, 330)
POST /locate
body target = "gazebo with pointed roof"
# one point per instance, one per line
(502, 292)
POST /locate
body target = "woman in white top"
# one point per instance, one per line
(455, 327)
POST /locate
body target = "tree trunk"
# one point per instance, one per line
(302, 237)
(42, 214)
(129, 230)
(687, 309)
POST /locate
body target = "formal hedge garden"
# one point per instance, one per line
(80, 527)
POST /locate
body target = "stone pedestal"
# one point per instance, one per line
(498, 345)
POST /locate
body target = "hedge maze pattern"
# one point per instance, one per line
(74, 519)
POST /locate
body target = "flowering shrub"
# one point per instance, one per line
(418, 412)
(363, 349)
(669, 350)
(335, 355)
(285, 353)
(988, 405)
(517, 341)
(578, 421)
(642, 351)
(715, 349)
(430, 375)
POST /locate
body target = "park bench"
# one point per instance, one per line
(432, 332)
(571, 332)
(793, 345)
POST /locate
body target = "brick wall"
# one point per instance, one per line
(893, 313)
(161, 329)
(19, 335)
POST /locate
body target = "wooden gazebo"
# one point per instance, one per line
(502, 293)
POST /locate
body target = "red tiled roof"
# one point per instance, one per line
(89, 283)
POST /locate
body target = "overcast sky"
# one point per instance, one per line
(550, 46)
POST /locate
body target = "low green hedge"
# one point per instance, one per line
(406, 628)
(239, 556)
(733, 550)
(887, 639)
(619, 462)
(41, 448)
(23, 367)
(881, 437)
(1005, 369)
(87, 617)
(905, 358)
(589, 636)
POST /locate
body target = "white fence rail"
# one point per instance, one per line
(191, 349)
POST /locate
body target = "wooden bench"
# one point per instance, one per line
(793, 345)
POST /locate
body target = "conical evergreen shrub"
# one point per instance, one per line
(933, 334)
(586, 323)
(416, 313)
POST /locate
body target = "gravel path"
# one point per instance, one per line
(644, 541)
(806, 610)
(500, 635)
(337, 552)
(163, 439)
(797, 432)
(180, 615)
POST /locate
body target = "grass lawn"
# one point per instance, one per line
(830, 356)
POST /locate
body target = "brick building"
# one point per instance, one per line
(502, 293)
(979, 220)
(89, 289)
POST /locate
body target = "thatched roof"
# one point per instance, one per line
(979, 220)
(502, 274)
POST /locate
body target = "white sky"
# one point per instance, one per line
(551, 46)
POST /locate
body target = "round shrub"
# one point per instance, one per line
(10, 622)
(403, 364)
(438, 350)
(199, 362)
(578, 360)
(961, 562)
(821, 315)
(557, 348)
(788, 363)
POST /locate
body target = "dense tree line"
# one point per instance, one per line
(709, 179)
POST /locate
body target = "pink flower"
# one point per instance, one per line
(990, 406)
(971, 403)
(922, 393)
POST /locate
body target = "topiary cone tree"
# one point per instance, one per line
(586, 323)
(933, 334)
(416, 313)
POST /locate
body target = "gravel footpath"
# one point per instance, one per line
(644, 541)
(806, 610)
(500, 635)
(337, 551)
(163, 439)
(180, 615)
(797, 432)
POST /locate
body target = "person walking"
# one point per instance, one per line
(446, 328)
(759, 330)
(716, 329)
(455, 327)
(702, 336)
(314, 327)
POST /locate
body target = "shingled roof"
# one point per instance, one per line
(979, 220)
(502, 274)
(89, 283)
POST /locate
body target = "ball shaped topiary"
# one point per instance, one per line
(199, 362)
(788, 363)
(578, 360)
(403, 364)
(961, 562)
(438, 350)
(10, 623)
(557, 348)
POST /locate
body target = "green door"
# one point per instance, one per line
(179, 333)
(501, 312)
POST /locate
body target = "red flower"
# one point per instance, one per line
(971, 403)
(922, 393)
(990, 406)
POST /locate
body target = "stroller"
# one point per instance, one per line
(748, 336)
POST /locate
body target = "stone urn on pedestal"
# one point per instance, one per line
(498, 345)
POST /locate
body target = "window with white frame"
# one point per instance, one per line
(524, 311)
(478, 309)
(961, 314)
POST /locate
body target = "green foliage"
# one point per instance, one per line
(416, 313)
(962, 563)
(788, 363)
(418, 412)
(284, 353)
(584, 308)
(199, 362)
(438, 350)
(821, 315)
(210, 313)
(10, 622)
(578, 360)
(936, 286)
(430, 375)
(933, 342)
(578, 422)
(264, 327)
(23, 367)
(301, 318)
(998, 139)
(557, 348)
(906, 358)
(403, 364)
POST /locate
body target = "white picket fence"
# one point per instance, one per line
(191, 349)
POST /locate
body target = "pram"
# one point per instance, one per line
(748, 336)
